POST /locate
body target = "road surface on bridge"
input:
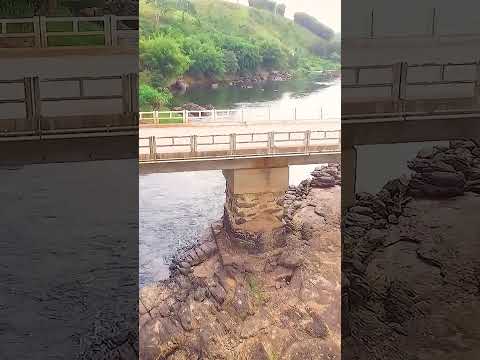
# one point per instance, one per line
(205, 129)
(175, 142)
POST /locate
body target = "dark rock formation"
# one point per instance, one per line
(221, 302)
(407, 272)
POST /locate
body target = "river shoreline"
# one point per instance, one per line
(246, 81)
(254, 303)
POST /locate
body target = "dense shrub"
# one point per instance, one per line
(151, 98)
(163, 58)
(205, 58)
(248, 54)
(268, 5)
(273, 55)
(231, 62)
(315, 26)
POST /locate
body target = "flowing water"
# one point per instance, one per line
(177, 208)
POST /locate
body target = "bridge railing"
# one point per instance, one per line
(403, 89)
(238, 145)
(234, 116)
(35, 106)
(423, 22)
(43, 32)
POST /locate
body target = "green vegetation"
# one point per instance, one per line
(269, 5)
(151, 98)
(256, 289)
(216, 40)
(312, 24)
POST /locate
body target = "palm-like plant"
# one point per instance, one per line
(185, 6)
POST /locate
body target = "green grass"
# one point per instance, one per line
(256, 289)
(232, 19)
(65, 40)
(216, 16)
(174, 120)
(71, 40)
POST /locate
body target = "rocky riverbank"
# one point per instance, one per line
(410, 261)
(222, 302)
(244, 82)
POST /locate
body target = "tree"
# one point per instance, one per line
(163, 58)
(313, 25)
(184, 6)
(151, 98)
(231, 62)
(273, 56)
(205, 57)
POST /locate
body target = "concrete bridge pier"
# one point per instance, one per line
(254, 207)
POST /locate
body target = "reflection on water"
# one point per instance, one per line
(308, 94)
(68, 254)
(177, 208)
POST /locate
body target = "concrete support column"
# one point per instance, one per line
(349, 176)
(254, 207)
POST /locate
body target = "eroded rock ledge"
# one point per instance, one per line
(410, 261)
(222, 302)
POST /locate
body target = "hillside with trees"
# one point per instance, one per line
(216, 40)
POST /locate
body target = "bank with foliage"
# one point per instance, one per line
(213, 40)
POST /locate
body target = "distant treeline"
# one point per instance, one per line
(315, 26)
(268, 5)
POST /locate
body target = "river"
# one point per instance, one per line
(177, 208)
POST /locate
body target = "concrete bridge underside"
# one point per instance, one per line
(87, 148)
(259, 162)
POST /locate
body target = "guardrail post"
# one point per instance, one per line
(134, 106)
(402, 94)
(476, 91)
(295, 114)
(233, 144)
(43, 31)
(269, 114)
(107, 29)
(37, 31)
(193, 144)
(37, 104)
(29, 101)
(372, 33)
(271, 142)
(155, 117)
(243, 117)
(185, 116)
(113, 31)
(214, 115)
(307, 139)
(153, 147)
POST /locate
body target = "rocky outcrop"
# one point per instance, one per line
(408, 260)
(252, 80)
(323, 177)
(279, 304)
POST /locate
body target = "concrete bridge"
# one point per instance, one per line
(255, 161)
(402, 102)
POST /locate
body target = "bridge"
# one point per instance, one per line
(47, 32)
(254, 159)
(403, 102)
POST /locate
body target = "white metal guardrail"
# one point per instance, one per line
(401, 90)
(234, 116)
(429, 23)
(41, 31)
(38, 95)
(237, 145)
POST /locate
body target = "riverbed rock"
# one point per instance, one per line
(231, 304)
(415, 265)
